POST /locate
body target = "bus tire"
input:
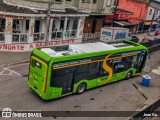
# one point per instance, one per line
(81, 88)
(129, 75)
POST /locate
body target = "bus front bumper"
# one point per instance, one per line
(44, 96)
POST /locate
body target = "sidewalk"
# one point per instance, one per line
(145, 35)
(10, 58)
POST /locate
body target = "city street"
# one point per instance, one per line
(119, 96)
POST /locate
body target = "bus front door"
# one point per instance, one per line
(140, 63)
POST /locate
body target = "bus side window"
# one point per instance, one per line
(81, 72)
(122, 64)
(101, 70)
(118, 65)
(82, 69)
(93, 71)
(60, 76)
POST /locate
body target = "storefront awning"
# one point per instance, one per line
(149, 23)
(123, 23)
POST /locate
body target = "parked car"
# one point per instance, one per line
(157, 34)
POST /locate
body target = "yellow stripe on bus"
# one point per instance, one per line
(78, 64)
(91, 62)
(108, 69)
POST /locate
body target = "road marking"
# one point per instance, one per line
(156, 71)
(10, 72)
(18, 65)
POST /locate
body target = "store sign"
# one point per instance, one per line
(122, 16)
(31, 46)
(13, 16)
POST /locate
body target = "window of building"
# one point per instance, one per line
(150, 11)
(109, 2)
(85, 1)
(68, 23)
(75, 24)
(62, 25)
(19, 34)
(2, 29)
(57, 1)
(27, 25)
(95, 1)
(156, 12)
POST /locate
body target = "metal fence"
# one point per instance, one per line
(91, 36)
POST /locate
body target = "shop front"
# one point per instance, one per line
(23, 29)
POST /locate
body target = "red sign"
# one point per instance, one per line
(12, 47)
(122, 16)
(31, 46)
(13, 16)
(109, 17)
(62, 42)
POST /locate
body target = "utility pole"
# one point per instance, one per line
(47, 23)
(114, 15)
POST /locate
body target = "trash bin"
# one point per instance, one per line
(145, 80)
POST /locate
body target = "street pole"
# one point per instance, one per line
(47, 23)
(152, 21)
(114, 15)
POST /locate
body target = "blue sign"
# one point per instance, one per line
(120, 35)
(106, 33)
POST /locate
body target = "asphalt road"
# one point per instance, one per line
(118, 96)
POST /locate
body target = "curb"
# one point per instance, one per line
(17, 63)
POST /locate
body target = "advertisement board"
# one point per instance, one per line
(114, 34)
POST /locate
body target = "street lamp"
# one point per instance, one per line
(47, 22)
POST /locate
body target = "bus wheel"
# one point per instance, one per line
(81, 88)
(129, 75)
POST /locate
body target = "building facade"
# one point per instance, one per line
(98, 11)
(153, 16)
(142, 14)
(23, 24)
(139, 10)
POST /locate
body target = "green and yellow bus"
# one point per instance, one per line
(60, 71)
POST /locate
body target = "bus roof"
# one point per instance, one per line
(85, 48)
